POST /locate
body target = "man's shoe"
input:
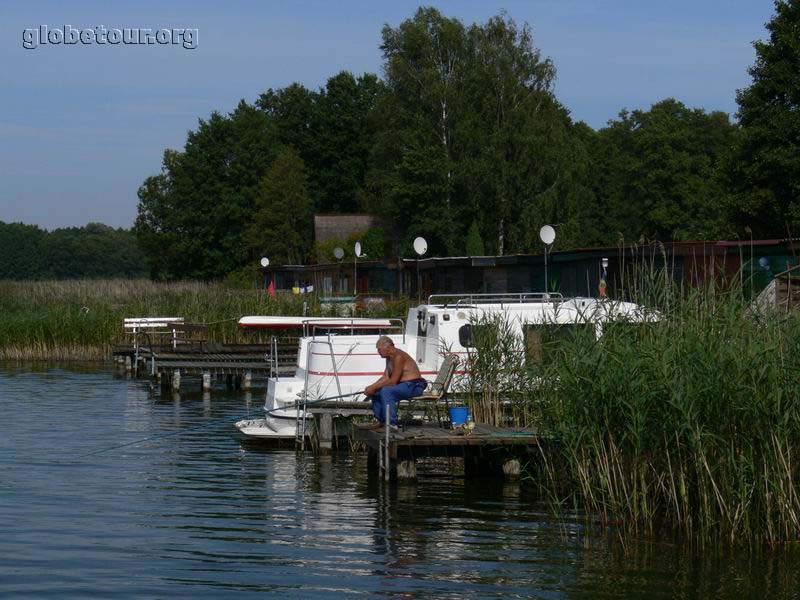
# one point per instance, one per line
(392, 428)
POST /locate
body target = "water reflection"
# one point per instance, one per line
(109, 490)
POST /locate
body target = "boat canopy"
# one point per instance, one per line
(269, 322)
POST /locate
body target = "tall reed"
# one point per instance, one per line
(82, 319)
(689, 425)
(498, 379)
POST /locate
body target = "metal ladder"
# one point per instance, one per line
(300, 429)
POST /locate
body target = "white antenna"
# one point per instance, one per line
(338, 253)
(264, 261)
(548, 235)
(356, 256)
(420, 247)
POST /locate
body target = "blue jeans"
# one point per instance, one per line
(390, 394)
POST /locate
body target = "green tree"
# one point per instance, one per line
(95, 250)
(424, 63)
(291, 112)
(471, 131)
(193, 215)
(658, 173)
(343, 135)
(764, 172)
(332, 131)
(510, 131)
(21, 247)
(281, 229)
(474, 244)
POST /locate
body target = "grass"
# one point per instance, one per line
(82, 319)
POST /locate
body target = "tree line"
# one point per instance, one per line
(464, 142)
(93, 251)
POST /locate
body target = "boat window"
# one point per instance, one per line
(465, 336)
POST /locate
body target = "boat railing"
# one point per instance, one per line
(312, 328)
(499, 298)
(273, 359)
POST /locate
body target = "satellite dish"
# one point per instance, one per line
(420, 245)
(265, 262)
(338, 253)
(358, 249)
(547, 234)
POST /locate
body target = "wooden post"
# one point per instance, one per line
(247, 382)
(206, 380)
(128, 364)
(387, 462)
(325, 433)
(176, 380)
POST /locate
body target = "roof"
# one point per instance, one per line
(328, 227)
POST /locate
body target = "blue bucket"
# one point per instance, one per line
(459, 415)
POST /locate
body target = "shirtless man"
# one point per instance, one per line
(399, 381)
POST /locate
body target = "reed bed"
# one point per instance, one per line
(498, 381)
(688, 426)
(82, 319)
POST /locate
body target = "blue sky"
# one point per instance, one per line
(83, 126)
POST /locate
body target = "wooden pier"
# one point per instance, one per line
(238, 363)
(485, 449)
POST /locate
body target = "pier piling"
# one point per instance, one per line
(325, 433)
(487, 450)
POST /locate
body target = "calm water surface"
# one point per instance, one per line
(196, 511)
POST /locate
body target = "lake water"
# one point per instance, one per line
(196, 511)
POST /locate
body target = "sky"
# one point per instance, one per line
(82, 125)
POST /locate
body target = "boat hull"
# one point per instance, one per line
(276, 428)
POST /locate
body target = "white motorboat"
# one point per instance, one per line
(337, 356)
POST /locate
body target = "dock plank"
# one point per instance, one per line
(432, 436)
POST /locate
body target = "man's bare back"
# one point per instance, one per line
(401, 360)
(399, 367)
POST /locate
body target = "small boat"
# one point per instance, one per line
(337, 356)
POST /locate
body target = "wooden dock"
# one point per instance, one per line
(239, 363)
(484, 449)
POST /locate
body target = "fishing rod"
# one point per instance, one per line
(203, 426)
(152, 437)
(271, 412)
